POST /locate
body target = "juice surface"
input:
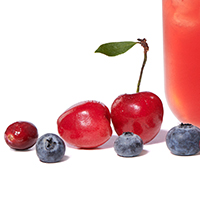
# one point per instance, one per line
(181, 31)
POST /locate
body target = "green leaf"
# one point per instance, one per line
(115, 48)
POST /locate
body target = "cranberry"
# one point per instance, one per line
(140, 113)
(85, 125)
(21, 135)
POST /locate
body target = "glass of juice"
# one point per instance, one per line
(181, 36)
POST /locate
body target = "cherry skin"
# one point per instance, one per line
(21, 135)
(140, 113)
(85, 125)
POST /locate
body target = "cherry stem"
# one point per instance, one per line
(146, 49)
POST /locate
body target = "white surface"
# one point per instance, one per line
(47, 64)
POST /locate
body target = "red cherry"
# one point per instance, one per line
(140, 113)
(85, 125)
(21, 135)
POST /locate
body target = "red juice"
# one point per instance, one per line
(181, 35)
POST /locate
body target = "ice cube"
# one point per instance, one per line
(187, 12)
(186, 4)
(184, 20)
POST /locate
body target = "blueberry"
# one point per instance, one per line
(183, 140)
(128, 145)
(50, 148)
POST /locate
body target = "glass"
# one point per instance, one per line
(181, 35)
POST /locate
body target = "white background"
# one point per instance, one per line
(47, 64)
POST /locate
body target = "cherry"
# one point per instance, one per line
(21, 135)
(141, 112)
(85, 125)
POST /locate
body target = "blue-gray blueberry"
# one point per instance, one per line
(183, 140)
(128, 145)
(50, 148)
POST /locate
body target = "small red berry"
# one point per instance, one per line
(21, 135)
